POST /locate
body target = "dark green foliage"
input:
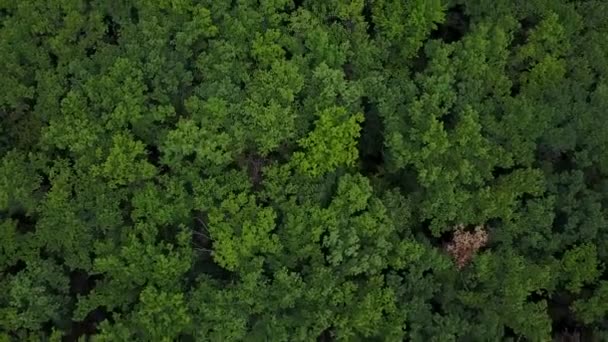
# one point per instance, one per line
(283, 170)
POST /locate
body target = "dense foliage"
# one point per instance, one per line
(277, 170)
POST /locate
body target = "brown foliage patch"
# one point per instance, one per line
(465, 244)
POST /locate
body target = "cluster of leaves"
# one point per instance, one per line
(281, 170)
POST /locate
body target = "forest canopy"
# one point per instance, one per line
(306, 170)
